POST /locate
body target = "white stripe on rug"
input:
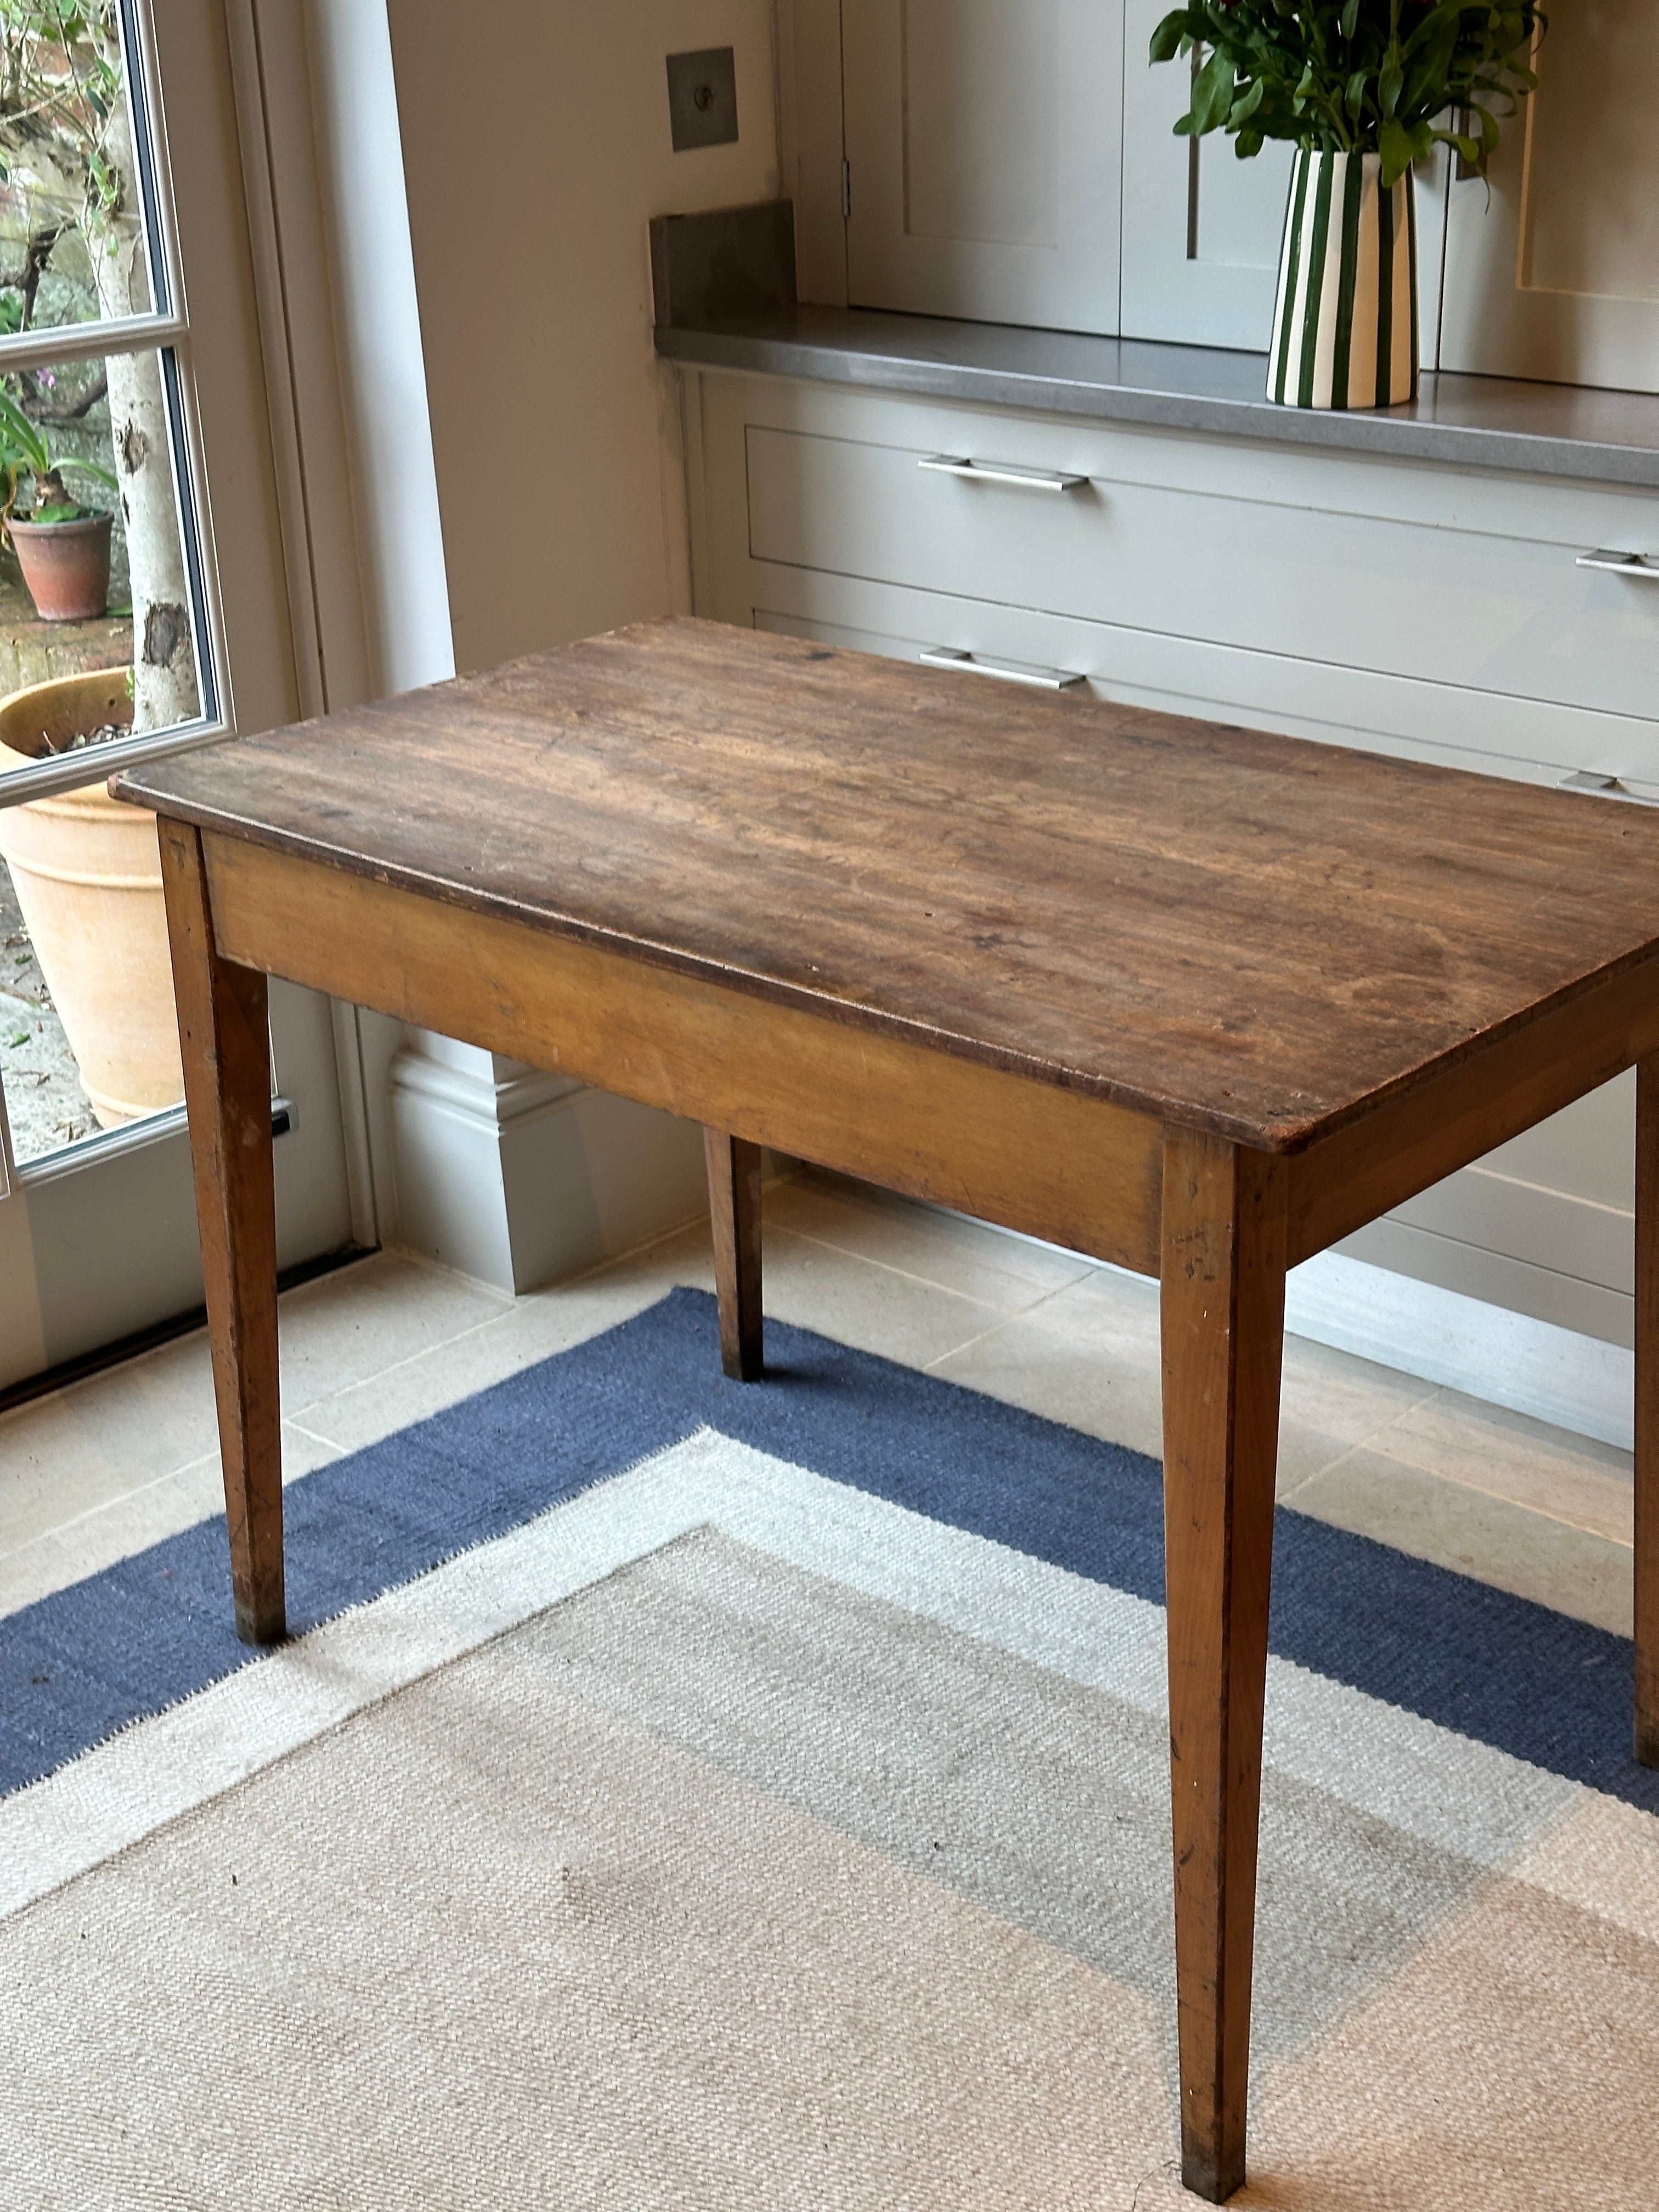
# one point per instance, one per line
(1436, 1786)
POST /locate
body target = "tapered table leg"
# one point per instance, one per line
(1223, 1297)
(734, 1210)
(1647, 1413)
(224, 1034)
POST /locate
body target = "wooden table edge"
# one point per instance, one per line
(1215, 1220)
(1287, 1137)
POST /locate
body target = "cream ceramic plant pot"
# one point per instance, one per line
(88, 874)
(1345, 323)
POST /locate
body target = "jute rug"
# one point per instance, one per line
(695, 1795)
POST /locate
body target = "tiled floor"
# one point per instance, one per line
(129, 1455)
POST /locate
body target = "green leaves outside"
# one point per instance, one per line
(25, 456)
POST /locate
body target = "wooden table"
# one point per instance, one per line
(1189, 998)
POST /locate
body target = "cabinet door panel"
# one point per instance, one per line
(1556, 276)
(1469, 608)
(982, 156)
(1297, 697)
(1202, 230)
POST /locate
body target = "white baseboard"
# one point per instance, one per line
(519, 1178)
(447, 1145)
(1553, 1374)
(587, 1176)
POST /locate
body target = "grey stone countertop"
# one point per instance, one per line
(1461, 422)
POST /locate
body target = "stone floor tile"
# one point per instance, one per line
(1486, 1538)
(874, 1309)
(1088, 1356)
(1332, 1401)
(110, 1530)
(535, 1328)
(359, 1321)
(1010, 1272)
(112, 1433)
(1506, 1455)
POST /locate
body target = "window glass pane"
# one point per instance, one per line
(73, 247)
(88, 1034)
(92, 560)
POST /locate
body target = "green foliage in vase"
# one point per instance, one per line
(1358, 77)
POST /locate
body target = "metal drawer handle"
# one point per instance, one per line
(1603, 787)
(1005, 671)
(1003, 472)
(1622, 564)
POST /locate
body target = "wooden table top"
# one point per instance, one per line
(1251, 934)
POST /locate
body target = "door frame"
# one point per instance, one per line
(97, 1242)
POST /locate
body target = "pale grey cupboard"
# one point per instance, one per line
(1012, 161)
(1390, 604)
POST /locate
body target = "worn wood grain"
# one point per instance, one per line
(1246, 933)
(1409, 1142)
(225, 1036)
(1189, 998)
(1646, 1728)
(1053, 1163)
(734, 1216)
(1222, 1317)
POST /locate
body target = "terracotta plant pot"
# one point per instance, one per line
(65, 566)
(88, 875)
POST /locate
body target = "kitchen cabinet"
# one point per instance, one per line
(1442, 614)
(1555, 272)
(1013, 161)
(982, 158)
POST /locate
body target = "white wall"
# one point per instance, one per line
(398, 539)
(529, 150)
(536, 149)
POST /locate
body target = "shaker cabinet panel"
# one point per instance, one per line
(984, 158)
(1201, 228)
(1477, 609)
(1555, 275)
(1299, 592)
(1294, 696)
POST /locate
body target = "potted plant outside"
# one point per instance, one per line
(1363, 88)
(87, 876)
(93, 902)
(62, 547)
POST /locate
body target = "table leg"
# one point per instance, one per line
(734, 1210)
(1647, 1413)
(1222, 1299)
(225, 1037)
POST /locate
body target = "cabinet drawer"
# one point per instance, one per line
(1488, 610)
(1450, 725)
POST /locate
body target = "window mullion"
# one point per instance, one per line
(45, 346)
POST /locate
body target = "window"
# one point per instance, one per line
(106, 649)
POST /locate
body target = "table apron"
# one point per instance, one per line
(1074, 1168)
(1405, 1146)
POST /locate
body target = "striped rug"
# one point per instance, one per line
(1345, 323)
(692, 1795)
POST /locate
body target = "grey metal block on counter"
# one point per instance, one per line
(725, 265)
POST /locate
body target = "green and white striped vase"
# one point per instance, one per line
(1345, 327)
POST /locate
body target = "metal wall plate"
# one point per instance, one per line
(702, 98)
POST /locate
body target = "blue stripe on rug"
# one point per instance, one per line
(155, 1628)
